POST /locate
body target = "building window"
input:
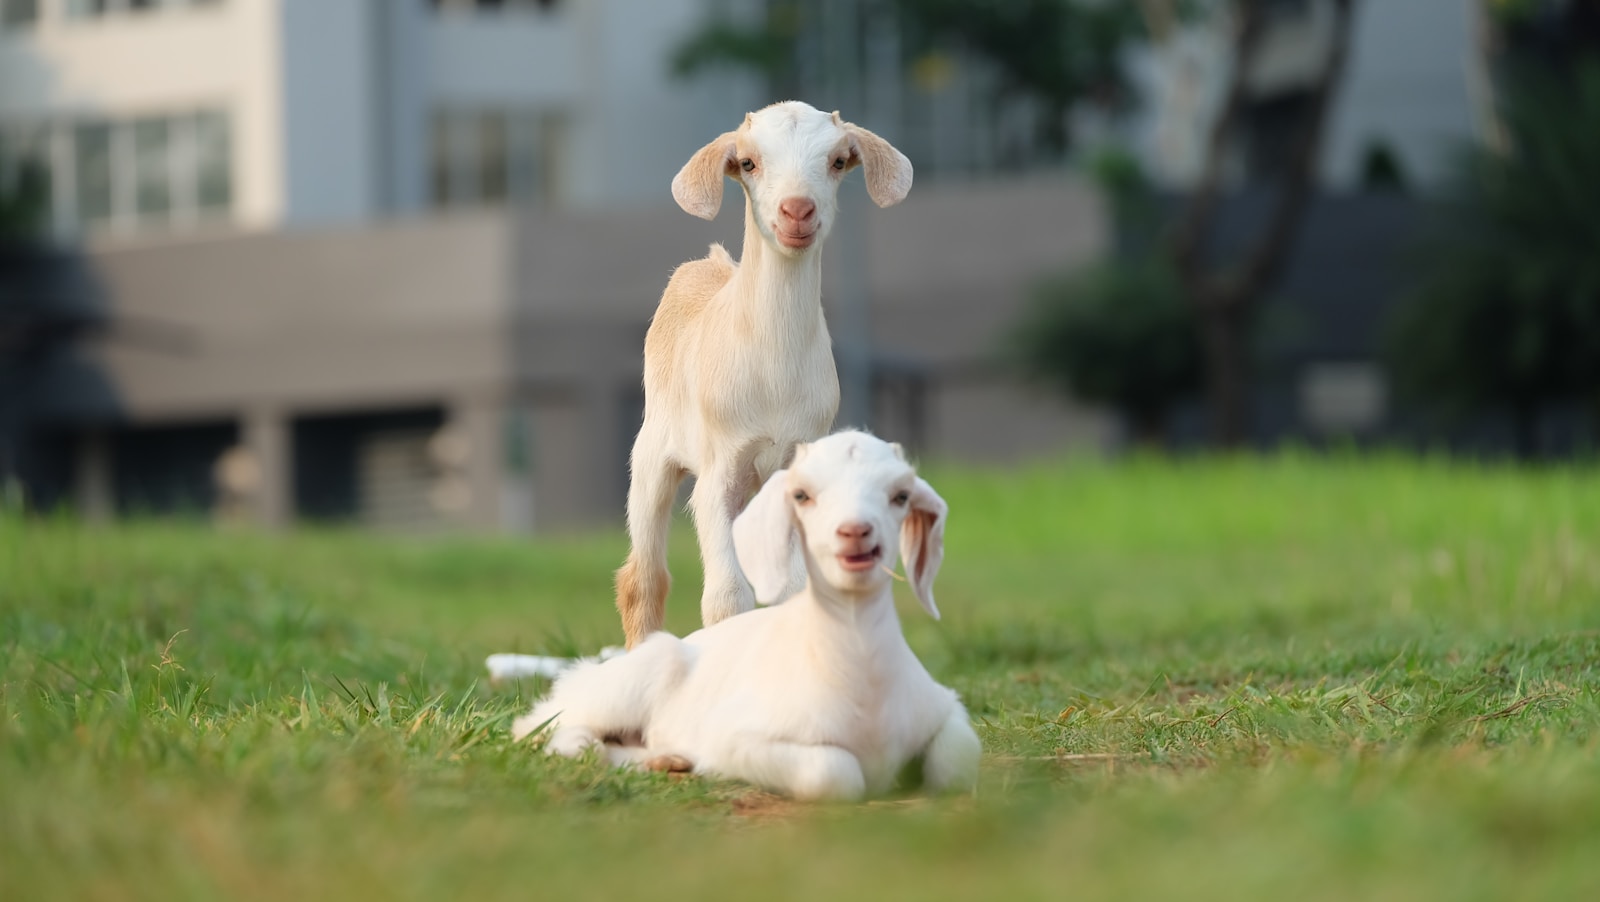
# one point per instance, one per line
(152, 168)
(213, 162)
(494, 5)
(150, 171)
(492, 156)
(84, 9)
(18, 14)
(91, 153)
(90, 9)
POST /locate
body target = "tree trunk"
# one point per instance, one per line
(1149, 429)
(1223, 294)
(1222, 338)
(1525, 429)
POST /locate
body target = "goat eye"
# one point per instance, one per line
(839, 163)
(801, 496)
(901, 497)
(747, 164)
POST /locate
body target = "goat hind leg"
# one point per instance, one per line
(597, 702)
(643, 580)
(806, 772)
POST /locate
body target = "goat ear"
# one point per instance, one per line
(764, 539)
(698, 185)
(888, 170)
(922, 542)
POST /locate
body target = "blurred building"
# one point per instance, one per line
(392, 261)
(1413, 91)
(157, 115)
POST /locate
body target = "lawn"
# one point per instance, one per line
(1299, 677)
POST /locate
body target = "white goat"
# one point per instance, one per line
(738, 364)
(819, 697)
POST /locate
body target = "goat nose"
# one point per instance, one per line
(855, 530)
(798, 209)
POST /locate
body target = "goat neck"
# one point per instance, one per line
(785, 292)
(847, 624)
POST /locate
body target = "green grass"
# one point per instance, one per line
(1294, 678)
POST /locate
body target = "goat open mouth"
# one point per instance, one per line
(863, 561)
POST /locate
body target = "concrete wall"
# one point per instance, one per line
(327, 54)
(310, 319)
(634, 125)
(528, 58)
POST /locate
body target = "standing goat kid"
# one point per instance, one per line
(738, 365)
(818, 697)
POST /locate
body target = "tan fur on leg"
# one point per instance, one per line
(641, 600)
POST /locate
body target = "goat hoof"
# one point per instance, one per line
(669, 764)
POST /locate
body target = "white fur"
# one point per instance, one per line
(819, 697)
(738, 362)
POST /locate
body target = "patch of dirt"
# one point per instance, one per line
(764, 807)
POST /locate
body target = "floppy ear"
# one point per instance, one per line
(922, 542)
(888, 171)
(764, 539)
(698, 185)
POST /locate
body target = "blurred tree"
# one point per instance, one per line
(767, 48)
(1064, 51)
(1117, 332)
(1224, 294)
(1056, 52)
(25, 202)
(1508, 312)
(1381, 169)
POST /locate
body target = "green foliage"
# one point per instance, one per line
(25, 202)
(1509, 310)
(1058, 52)
(1381, 169)
(1117, 332)
(1120, 331)
(765, 50)
(1185, 688)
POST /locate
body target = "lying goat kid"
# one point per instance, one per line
(819, 697)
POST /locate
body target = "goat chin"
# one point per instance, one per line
(819, 697)
(738, 362)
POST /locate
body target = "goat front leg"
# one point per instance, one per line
(811, 773)
(719, 494)
(951, 761)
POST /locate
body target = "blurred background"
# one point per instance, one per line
(390, 262)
